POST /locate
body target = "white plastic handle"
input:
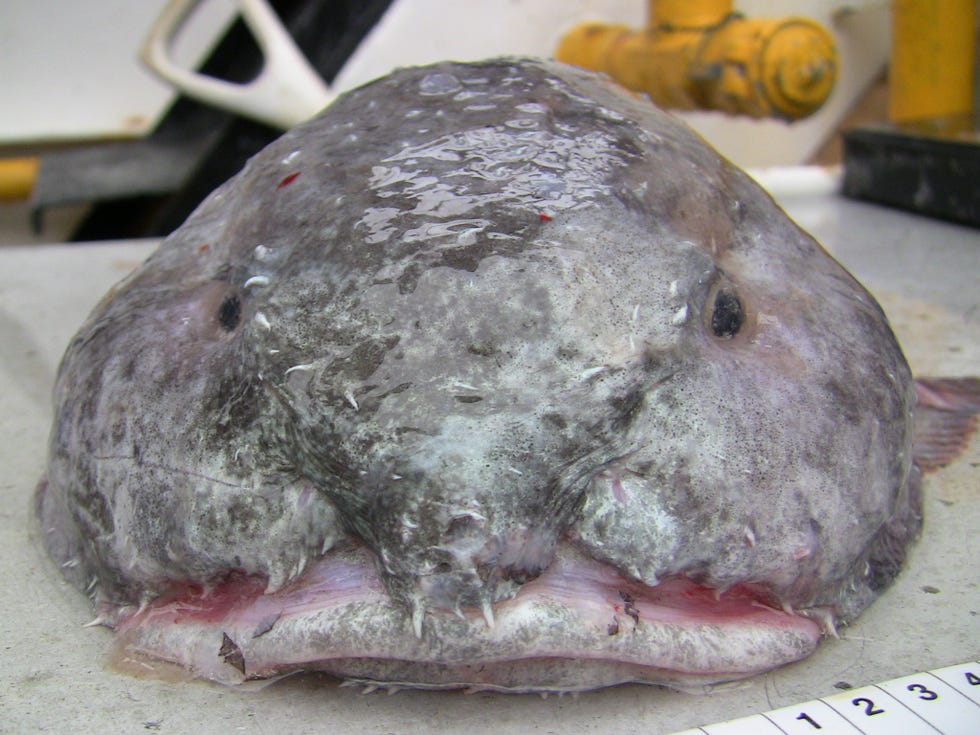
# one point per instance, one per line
(287, 90)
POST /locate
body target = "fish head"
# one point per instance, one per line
(485, 371)
(770, 434)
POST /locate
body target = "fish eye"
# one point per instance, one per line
(727, 314)
(230, 313)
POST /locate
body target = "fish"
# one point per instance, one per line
(489, 376)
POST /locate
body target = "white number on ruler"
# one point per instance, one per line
(945, 701)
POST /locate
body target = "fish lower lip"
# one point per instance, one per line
(337, 618)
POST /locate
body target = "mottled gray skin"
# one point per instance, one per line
(478, 324)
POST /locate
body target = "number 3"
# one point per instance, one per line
(924, 692)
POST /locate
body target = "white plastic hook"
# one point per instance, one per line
(287, 90)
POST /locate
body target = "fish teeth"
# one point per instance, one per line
(262, 320)
(145, 599)
(418, 613)
(824, 618)
(349, 395)
(680, 316)
(488, 612)
(277, 580)
(299, 567)
(592, 371)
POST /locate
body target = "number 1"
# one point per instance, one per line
(806, 718)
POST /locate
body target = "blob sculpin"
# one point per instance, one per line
(488, 376)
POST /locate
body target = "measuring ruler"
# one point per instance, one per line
(945, 701)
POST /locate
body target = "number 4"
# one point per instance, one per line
(972, 679)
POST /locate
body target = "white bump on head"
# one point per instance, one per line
(256, 281)
(592, 371)
(262, 320)
(680, 316)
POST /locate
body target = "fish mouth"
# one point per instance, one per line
(580, 625)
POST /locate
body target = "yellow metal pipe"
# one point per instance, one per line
(701, 55)
(666, 14)
(17, 177)
(931, 72)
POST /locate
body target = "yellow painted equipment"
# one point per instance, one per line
(17, 177)
(932, 59)
(699, 54)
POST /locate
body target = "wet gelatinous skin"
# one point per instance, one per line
(486, 324)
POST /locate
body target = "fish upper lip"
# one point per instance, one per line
(578, 608)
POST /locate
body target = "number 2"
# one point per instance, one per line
(924, 692)
(869, 706)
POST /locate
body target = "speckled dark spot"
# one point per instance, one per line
(230, 313)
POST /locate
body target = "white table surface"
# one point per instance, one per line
(54, 675)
